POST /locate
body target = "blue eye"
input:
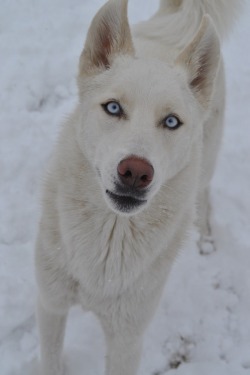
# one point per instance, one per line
(113, 109)
(172, 122)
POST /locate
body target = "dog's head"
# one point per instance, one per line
(140, 116)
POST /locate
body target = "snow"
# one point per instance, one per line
(203, 322)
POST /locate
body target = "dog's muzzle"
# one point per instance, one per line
(131, 188)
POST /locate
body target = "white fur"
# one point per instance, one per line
(88, 251)
(223, 12)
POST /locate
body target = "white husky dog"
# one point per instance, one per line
(131, 165)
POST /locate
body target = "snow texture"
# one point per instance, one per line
(202, 326)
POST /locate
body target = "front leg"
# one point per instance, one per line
(124, 318)
(123, 354)
(124, 321)
(52, 329)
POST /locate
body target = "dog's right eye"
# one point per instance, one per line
(113, 108)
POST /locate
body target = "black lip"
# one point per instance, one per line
(125, 203)
(130, 191)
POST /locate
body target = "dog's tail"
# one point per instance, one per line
(223, 12)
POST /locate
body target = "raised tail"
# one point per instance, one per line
(223, 12)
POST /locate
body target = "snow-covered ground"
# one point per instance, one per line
(204, 318)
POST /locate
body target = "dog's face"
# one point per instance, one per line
(140, 117)
(139, 124)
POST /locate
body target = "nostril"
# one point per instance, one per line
(144, 178)
(128, 174)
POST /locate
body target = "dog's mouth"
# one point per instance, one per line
(125, 203)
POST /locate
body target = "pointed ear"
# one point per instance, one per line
(201, 59)
(109, 34)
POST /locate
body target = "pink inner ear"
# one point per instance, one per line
(104, 47)
(199, 81)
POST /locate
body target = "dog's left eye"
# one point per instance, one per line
(172, 122)
(113, 108)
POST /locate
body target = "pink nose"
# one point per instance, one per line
(135, 172)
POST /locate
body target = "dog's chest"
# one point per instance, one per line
(108, 255)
